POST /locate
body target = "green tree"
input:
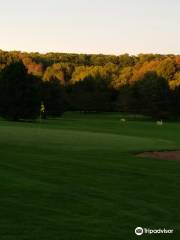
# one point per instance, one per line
(153, 95)
(91, 94)
(54, 98)
(20, 93)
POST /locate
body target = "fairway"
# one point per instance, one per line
(77, 178)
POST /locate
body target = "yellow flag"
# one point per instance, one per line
(42, 107)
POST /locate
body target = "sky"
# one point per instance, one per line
(90, 26)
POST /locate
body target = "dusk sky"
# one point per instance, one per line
(91, 26)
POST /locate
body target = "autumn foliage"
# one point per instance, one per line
(148, 83)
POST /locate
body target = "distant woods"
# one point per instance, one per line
(147, 84)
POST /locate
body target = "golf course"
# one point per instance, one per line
(79, 178)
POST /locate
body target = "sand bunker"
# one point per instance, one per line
(166, 155)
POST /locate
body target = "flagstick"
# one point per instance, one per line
(40, 117)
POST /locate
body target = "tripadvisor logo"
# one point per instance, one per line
(140, 231)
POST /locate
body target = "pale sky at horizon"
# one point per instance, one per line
(91, 26)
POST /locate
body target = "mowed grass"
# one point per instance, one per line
(77, 178)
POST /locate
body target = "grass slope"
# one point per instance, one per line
(77, 179)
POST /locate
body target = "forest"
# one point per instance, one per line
(147, 84)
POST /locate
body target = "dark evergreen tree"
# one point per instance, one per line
(20, 93)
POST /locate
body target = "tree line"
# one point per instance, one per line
(147, 84)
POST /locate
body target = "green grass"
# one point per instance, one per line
(77, 178)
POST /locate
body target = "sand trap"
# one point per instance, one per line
(166, 155)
